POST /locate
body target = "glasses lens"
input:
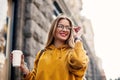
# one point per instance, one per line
(62, 27)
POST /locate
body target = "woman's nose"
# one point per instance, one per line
(64, 29)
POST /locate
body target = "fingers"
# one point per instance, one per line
(22, 57)
(11, 57)
(77, 29)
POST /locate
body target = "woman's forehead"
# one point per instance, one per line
(64, 20)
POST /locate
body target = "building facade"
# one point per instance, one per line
(28, 25)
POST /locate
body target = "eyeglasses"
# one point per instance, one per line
(61, 26)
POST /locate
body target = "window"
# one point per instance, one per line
(57, 9)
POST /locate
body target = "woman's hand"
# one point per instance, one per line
(77, 29)
(22, 61)
(22, 66)
(77, 32)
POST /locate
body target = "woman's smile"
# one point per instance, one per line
(63, 34)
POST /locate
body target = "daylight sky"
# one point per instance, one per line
(105, 18)
(3, 13)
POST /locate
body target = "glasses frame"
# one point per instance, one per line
(62, 27)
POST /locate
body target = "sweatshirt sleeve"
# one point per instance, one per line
(78, 61)
(32, 74)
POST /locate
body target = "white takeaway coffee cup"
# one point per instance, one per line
(16, 58)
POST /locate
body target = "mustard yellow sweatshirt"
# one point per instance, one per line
(61, 63)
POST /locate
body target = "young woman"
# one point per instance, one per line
(64, 57)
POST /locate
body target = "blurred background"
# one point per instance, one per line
(24, 25)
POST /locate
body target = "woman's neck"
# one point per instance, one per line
(58, 43)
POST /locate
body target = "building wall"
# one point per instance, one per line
(95, 70)
(38, 16)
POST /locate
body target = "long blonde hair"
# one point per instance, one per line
(50, 40)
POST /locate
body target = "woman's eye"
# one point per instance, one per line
(60, 26)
